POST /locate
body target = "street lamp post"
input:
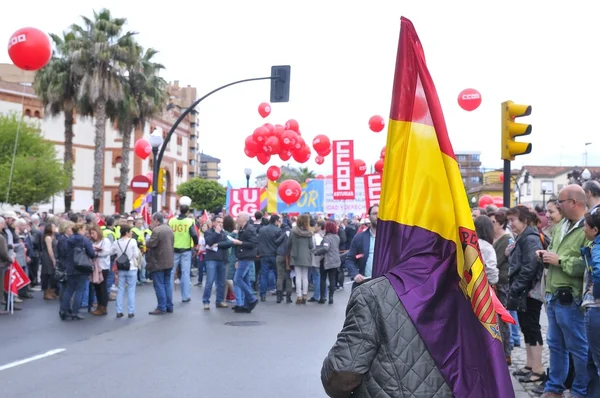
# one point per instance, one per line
(543, 198)
(248, 172)
(156, 141)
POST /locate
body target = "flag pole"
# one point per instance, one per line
(10, 299)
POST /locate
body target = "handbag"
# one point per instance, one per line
(123, 263)
(82, 262)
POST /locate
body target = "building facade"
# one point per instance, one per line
(492, 186)
(177, 161)
(209, 168)
(470, 168)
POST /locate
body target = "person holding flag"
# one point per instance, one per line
(425, 325)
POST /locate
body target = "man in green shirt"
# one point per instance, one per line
(186, 239)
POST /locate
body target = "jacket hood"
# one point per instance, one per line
(529, 231)
(302, 232)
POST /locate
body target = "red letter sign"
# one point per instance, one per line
(372, 189)
(343, 170)
(244, 200)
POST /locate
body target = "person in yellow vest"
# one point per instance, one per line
(184, 232)
(137, 233)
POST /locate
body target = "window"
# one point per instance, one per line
(559, 187)
(475, 157)
(548, 186)
(475, 179)
(528, 188)
(462, 158)
(37, 114)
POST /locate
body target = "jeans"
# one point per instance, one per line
(592, 323)
(515, 336)
(74, 290)
(142, 269)
(316, 280)
(110, 280)
(267, 264)
(127, 280)
(183, 260)
(327, 274)
(198, 262)
(88, 298)
(241, 282)
(215, 274)
(163, 289)
(566, 334)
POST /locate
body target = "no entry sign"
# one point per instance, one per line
(140, 184)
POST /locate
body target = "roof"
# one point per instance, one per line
(207, 158)
(486, 187)
(554, 171)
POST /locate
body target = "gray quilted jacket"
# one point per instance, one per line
(378, 353)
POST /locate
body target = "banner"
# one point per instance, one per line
(311, 199)
(346, 206)
(243, 200)
(372, 189)
(15, 278)
(343, 170)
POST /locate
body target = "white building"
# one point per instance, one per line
(177, 160)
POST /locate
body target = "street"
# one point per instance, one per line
(191, 353)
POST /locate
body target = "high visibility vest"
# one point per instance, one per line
(118, 231)
(181, 232)
(106, 232)
(139, 235)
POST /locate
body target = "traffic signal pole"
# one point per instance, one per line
(506, 185)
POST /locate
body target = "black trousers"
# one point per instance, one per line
(33, 268)
(101, 290)
(330, 274)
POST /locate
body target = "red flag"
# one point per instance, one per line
(15, 278)
(91, 208)
(204, 217)
(500, 310)
(146, 215)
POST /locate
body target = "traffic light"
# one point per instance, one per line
(510, 130)
(162, 180)
(280, 84)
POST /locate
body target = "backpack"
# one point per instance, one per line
(545, 240)
(123, 263)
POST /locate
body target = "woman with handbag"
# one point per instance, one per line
(78, 267)
(524, 294)
(127, 252)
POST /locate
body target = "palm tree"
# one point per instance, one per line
(144, 95)
(57, 86)
(301, 174)
(99, 52)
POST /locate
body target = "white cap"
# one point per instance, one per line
(185, 201)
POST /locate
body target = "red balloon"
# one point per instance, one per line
(501, 177)
(273, 173)
(382, 155)
(271, 145)
(285, 155)
(319, 159)
(299, 144)
(263, 158)
(150, 176)
(302, 155)
(251, 144)
(264, 109)
(288, 139)
(320, 177)
(325, 152)
(321, 143)
(376, 123)
(360, 167)
(469, 99)
(485, 200)
(260, 134)
(142, 148)
(290, 191)
(30, 49)
(269, 127)
(249, 152)
(498, 201)
(292, 125)
(379, 166)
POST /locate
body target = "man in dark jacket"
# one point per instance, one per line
(245, 252)
(359, 259)
(269, 239)
(159, 263)
(215, 260)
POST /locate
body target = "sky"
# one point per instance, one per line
(342, 55)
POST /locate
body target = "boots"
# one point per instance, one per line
(48, 295)
(99, 311)
(331, 298)
(279, 296)
(288, 298)
(53, 292)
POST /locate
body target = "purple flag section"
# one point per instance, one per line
(426, 282)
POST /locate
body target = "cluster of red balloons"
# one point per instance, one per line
(142, 148)
(485, 200)
(272, 140)
(29, 48)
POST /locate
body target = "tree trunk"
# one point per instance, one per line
(68, 156)
(126, 132)
(100, 114)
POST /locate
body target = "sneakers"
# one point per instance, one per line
(206, 307)
(221, 305)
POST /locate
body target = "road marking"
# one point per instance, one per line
(31, 359)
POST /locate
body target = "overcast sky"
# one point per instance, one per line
(342, 55)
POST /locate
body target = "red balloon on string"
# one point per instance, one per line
(290, 191)
(285, 155)
(263, 158)
(292, 124)
(485, 200)
(382, 154)
(30, 49)
(379, 166)
(319, 159)
(273, 173)
(360, 167)
(376, 123)
(469, 99)
(321, 143)
(142, 148)
(264, 109)
(271, 145)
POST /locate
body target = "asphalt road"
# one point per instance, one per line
(190, 353)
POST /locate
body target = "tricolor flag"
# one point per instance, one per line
(426, 242)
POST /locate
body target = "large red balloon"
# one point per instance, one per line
(271, 146)
(469, 99)
(285, 155)
(498, 201)
(379, 166)
(485, 200)
(263, 158)
(319, 159)
(376, 123)
(260, 134)
(269, 127)
(249, 152)
(290, 191)
(30, 49)
(273, 173)
(360, 167)
(142, 148)
(288, 139)
(321, 143)
(251, 144)
(325, 152)
(302, 155)
(292, 124)
(299, 143)
(264, 109)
